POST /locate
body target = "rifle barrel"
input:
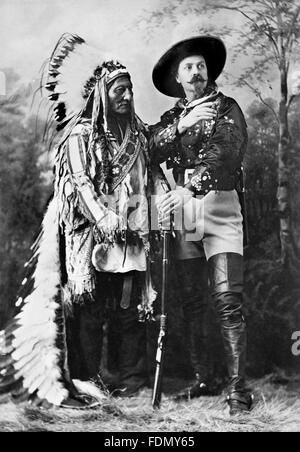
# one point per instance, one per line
(161, 342)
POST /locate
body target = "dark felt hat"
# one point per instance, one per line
(211, 48)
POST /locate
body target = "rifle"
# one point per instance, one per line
(162, 337)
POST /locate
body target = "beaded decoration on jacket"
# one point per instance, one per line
(195, 137)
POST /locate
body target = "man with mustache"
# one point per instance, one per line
(203, 139)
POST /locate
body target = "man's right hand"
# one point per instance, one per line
(200, 112)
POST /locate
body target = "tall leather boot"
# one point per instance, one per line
(226, 279)
(193, 290)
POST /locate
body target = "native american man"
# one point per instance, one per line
(93, 249)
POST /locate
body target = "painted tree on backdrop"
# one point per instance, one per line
(261, 165)
(23, 191)
(274, 41)
(270, 34)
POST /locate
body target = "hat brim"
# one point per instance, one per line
(211, 48)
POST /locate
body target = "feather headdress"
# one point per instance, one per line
(33, 350)
(31, 356)
(75, 71)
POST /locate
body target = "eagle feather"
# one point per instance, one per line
(30, 360)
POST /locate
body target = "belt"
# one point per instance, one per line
(225, 183)
(184, 176)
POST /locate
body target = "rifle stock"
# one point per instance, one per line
(160, 358)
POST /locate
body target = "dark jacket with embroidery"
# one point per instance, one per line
(214, 148)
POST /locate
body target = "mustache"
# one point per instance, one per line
(197, 78)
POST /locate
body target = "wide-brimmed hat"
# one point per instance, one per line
(211, 48)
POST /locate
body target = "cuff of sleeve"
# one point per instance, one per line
(199, 178)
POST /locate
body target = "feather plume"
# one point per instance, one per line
(70, 69)
(71, 64)
(89, 388)
(30, 360)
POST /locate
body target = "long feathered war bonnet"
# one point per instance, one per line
(77, 71)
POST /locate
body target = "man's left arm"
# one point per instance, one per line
(164, 137)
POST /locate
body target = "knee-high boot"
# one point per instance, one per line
(226, 279)
(193, 290)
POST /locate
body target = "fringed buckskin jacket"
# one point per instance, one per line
(105, 218)
(213, 149)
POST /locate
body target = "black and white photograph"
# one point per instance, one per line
(150, 213)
